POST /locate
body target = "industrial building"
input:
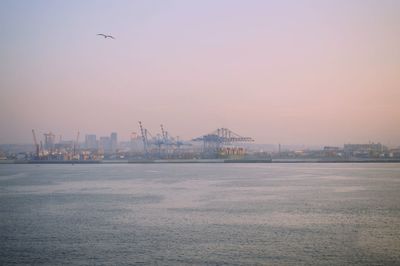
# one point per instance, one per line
(221, 143)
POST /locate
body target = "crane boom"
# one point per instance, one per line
(76, 143)
(144, 136)
(164, 134)
(36, 143)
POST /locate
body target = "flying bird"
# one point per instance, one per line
(106, 36)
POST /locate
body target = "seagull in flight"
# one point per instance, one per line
(106, 36)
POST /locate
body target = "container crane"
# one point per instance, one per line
(37, 148)
(143, 131)
(76, 143)
(213, 141)
(164, 134)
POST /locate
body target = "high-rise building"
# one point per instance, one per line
(91, 142)
(114, 141)
(105, 144)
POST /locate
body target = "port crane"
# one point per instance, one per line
(223, 136)
(37, 147)
(143, 131)
(160, 140)
(148, 139)
(164, 134)
(213, 141)
(76, 144)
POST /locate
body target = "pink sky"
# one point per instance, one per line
(290, 72)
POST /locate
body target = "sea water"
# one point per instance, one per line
(200, 214)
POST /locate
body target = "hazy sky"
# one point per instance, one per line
(290, 72)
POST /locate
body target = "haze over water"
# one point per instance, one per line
(238, 214)
(292, 72)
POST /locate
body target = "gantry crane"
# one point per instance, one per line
(143, 131)
(213, 141)
(76, 144)
(164, 134)
(37, 148)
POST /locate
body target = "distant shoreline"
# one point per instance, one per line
(196, 161)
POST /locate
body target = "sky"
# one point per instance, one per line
(290, 72)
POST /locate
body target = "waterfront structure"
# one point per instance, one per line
(364, 150)
(136, 144)
(219, 143)
(49, 141)
(91, 142)
(105, 144)
(113, 142)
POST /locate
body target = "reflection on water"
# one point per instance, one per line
(200, 214)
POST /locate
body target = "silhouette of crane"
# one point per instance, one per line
(143, 131)
(76, 144)
(37, 148)
(213, 141)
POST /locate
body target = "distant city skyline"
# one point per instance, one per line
(290, 72)
(92, 140)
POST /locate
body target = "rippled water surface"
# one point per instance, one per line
(179, 214)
